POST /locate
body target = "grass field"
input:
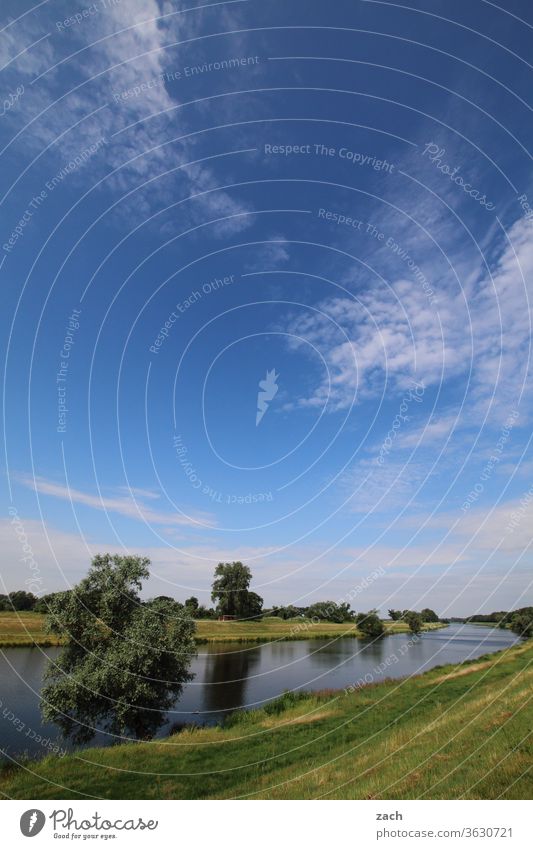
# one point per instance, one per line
(455, 732)
(26, 629)
(209, 631)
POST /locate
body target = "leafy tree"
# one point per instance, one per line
(204, 612)
(288, 612)
(197, 610)
(522, 622)
(414, 620)
(4, 602)
(395, 615)
(124, 662)
(330, 611)
(370, 624)
(42, 604)
(497, 617)
(21, 600)
(230, 589)
(429, 615)
(192, 604)
(253, 606)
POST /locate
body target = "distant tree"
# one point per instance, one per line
(522, 622)
(497, 617)
(414, 620)
(42, 604)
(395, 615)
(370, 624)
(192, 605)
(124, 662)
(203, 612)
(197, 610)
(4, 602)
(252, 606)
(231, 591)
(288, 612)
(429, 615)
(21, 600)
(505, 619)
(330, 611)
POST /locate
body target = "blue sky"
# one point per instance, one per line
(338, 194)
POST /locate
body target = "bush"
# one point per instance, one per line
(370, 624)
(284, 702)
(414, 620)
(429, 615)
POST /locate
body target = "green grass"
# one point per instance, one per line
(26, 629)
(272, 628)
(460, 731)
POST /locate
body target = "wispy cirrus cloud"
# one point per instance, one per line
(72, 81)
(388, 337)
(130, 505)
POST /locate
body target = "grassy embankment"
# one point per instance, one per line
(461, 731)
(26, 629)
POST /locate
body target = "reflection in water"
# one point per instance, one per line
(345, 653)
(226, 675)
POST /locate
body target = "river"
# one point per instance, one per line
(231, 676)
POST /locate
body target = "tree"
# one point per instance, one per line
(288, 612)
(204, 612)
(395, 615)
(230, 589)
(429, 615)
(522, 622)
(253, 606)
(124, 662)
(330, 611)
(192, 604)
(21, 600)
(370, 624)
(42, 604)
(414, 620)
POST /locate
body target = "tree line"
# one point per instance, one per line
(233, 599)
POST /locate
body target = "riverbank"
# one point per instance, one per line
(274, 629)
(27, 629)
(457, 731)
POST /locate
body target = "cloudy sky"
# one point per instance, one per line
(321, 212)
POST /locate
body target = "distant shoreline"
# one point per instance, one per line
(25, 630)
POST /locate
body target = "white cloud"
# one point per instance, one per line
(128, 506)
(374, 488)
(385, 338)
(436, 430)
(113, 55)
